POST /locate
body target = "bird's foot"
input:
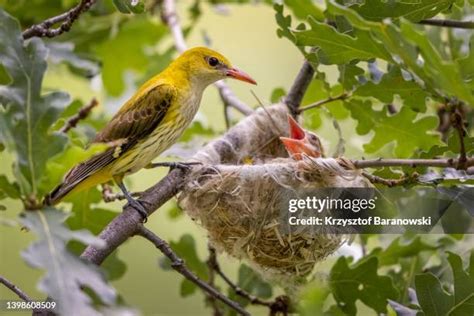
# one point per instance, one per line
(186, 166)
(138, 206)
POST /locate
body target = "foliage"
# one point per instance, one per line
(66, 274)
(398, 78)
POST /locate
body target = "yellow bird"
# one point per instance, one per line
(149, 123)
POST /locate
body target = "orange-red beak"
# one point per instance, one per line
(296, 131)
(297, 144)
(239, 75)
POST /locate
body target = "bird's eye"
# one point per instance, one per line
(213, 61)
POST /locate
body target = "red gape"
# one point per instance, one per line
(301, 142)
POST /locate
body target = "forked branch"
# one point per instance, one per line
(178, 264)
(44, 29)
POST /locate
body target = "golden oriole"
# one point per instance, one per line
(149, 122)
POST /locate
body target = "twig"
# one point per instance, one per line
(82, 114)
(108, 196)
(441, 163)
(214, 264)
(178, 264)
(457, 121)
(43, 29)
(279, 305)
(227, 119)
(299, 87)
(170, 17)
(125, 225)
(15, 289)
(212, 278)
(229, 98)
(325, 101)
(390, 182)
(449, 23)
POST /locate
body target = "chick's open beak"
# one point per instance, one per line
(239, 75)
(296, 131)
(297, 147)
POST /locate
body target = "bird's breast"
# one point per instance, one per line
(176, 120)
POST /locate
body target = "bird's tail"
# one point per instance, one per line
(75, 181)
(56, 195)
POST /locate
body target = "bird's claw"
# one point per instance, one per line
(185, 166)
(139, 208)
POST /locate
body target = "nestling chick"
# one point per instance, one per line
(301, 142)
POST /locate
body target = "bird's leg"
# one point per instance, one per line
(133, 202)
(173, 165)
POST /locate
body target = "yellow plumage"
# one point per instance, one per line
(150, 122)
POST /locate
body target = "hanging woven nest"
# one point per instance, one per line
(238, 197)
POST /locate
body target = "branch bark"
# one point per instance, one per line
(322, 102)
(43, 29)
(449, 23)
(299, 87)
(178, 264)
(170, 17)
(440, 163)
(15, 289)
(82, 114)
(128, 222)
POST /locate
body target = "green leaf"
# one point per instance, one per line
(130, 6)
(432, 298)
(403, 128)
(8, 189)
(412, 50)
(413, 10)
(338, 48)
(85, 216)
(252, 283)
(350, 76)
(360, 282)
(397, 249)
(438, 72)
(277, 95)
(303, 9)
(463, 285)
(61, 163)
(392, 84)
(313, 298)
(66, 274)
(126, 50)
(187, 288)
(64, 52)
(185, 248)
(28, 114)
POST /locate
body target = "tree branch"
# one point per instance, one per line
(457, 122)
(449, 23)
(214, 266)
(43, 29)
(212, 279)
(322, 102)
(440, 163)
(170, 17)
(15, 289)
(108, 196)
(299, 87)
(178, 264)
(82, 114)
(390, 182)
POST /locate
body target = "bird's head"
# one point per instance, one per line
(301, 142)
(206, 66)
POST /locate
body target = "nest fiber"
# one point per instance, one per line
(237, 197)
